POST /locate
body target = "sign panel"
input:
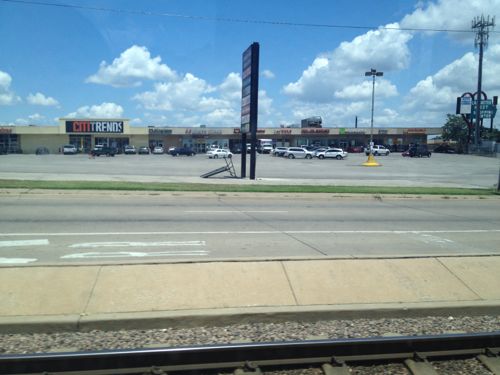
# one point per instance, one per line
(486, 109)
(86, 126)
(465, 105)
(249, 88)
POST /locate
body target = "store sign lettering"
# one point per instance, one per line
(5, 131)
(283, 131)
(315, 131)
(94, 126)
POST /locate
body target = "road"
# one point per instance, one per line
(100, 227)
(439, 170)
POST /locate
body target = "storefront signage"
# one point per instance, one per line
(94, 126)
(416, 131)
(5, 131)
(203, 131)
(283, 131)
(350, 131)
(382, 131)
(315, 131)
(154, 131)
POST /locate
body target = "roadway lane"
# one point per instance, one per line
(51, 228)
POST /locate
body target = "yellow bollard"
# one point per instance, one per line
(371, 162)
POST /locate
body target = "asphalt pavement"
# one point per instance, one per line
(74, 260)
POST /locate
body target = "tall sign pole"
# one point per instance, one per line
(481, 25)
(249, 106)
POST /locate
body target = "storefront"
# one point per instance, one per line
(86, 133)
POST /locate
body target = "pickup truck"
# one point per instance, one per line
(377, 150)
(99, 150)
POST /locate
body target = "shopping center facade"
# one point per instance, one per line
(86, 133)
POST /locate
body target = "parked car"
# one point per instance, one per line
(355, 149)
(320, 149)
(279, 151)
(158, 150)
(143, 150)
(418, 151)
(266, 148)
(219, 153)
(69, 150)
(378, 150)
(176, 151)
(445, 149)
(99, 150)
(298, 152)
(332, 153)
(129, 150)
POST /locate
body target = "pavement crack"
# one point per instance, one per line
(261, 221)
(84, 312)
(459, 279)
(290, 284)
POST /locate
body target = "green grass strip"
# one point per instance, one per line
(250, 188)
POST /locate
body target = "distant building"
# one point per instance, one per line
(311, 122)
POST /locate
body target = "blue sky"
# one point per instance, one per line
(140, 63)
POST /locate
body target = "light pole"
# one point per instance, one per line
(371, 160)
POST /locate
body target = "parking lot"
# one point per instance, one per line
(395, 170)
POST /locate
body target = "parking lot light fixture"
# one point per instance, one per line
(371, 162)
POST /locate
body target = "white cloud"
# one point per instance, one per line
(185, 94)
(267, 74)
(7, 96)
(133, 65)
(438, 93)
(385, 50)
(451, 15)
(383, 88)
(104, 110)
(40, 99)
(36, 117)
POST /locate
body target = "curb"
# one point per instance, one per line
(229, 316)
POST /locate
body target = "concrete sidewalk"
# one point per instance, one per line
(184, 294)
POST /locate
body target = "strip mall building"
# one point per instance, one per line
(85, 133)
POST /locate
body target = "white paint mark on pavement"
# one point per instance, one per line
(24, 243)
(17, 260)
(234, 212)
(134, 254)
(429, 239)
(137, 244)
(61, 234)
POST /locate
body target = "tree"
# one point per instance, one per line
(455, 129)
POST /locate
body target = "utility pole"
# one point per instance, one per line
(482, 27)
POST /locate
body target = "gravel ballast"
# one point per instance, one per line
(256, 332)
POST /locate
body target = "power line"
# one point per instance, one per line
(228, 20)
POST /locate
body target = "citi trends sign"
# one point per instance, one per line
(94, 126)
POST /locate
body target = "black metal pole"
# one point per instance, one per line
(243, 155)
(479, 89)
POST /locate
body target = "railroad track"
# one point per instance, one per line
(333, 357)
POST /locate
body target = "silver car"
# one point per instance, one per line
(298, 152)
(332, 153)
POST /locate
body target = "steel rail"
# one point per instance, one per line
(200, 359)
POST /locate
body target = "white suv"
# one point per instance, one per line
(335, 153)
(298, 152)
(377, 150)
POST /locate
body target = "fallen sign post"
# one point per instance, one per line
(228, 168)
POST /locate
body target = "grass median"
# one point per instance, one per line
(247, 188)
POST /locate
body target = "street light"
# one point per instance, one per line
(371, 161)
